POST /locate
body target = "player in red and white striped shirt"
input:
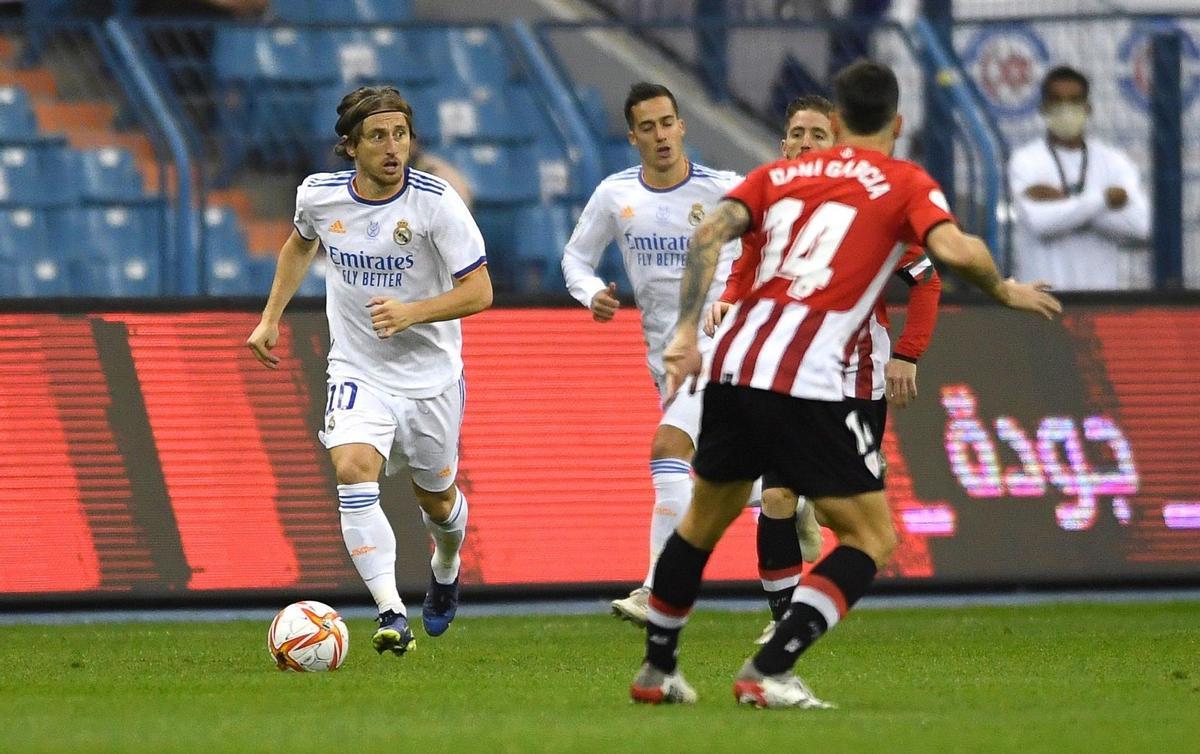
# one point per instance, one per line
(871, 366)
(833, 220)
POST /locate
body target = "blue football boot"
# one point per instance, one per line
(441, 603)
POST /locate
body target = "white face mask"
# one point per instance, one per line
(1066, 121)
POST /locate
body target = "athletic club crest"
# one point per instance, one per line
(402, 234)
(696, 216)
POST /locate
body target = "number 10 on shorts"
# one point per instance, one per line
(341, 396)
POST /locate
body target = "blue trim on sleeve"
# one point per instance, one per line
(471, 267)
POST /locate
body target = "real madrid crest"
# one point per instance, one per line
(402, 234)
(696, 215)
(329, 427)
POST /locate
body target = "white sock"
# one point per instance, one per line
(371, 542)
(447, 540)
(672, 479)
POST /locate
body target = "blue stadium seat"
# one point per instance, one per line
(129, 276)
(273, 55)
(22, 180)
(227, 258)
(113, 231)
(262, 274)
(557, 174)
(350, 12)
(380, 56)
(30, 265)
(59, 165)
(485, 113)
(16, 114)
(543, 231)
(497, 226)
(499, 174)
(477, 56)
(109, 174)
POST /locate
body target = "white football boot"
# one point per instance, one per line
(771, 691)
(652, 686)
(633, 608)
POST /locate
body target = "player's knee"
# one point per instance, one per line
(438, 505)
(778, 502)
(671, 442)
(353, 469)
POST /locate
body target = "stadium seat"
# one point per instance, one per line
(129, 276)
(272, 55)
(557, 176)
(227, 258)
(353, 11)
(543, 231)
(477, 56)
(17, 120)
(484, 113)
(30, 265)
(262, 274)
(378, 56)
(109, 174)
(497, 226)
(499, 174)
(112, 232)
(21, 178)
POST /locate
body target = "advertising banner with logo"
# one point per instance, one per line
(149, 457)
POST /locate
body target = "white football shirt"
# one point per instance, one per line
(653, 229)
(410, 247)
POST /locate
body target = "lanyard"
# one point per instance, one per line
(1073, 188)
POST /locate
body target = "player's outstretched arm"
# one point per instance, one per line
(969, 256)
(472, 293)
(295, 256)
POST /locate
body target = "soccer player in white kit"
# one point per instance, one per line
(651, 210)
(405, 263)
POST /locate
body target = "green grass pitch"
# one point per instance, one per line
(1083, 678)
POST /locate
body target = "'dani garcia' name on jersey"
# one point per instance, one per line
(871, 177)
(368, 270)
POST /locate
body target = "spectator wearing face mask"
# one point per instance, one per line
(1081, 210)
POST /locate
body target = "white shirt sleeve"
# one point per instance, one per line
(1131, 222)
(302, 219)
(456, 235)
(593, 233)
(1048, 219)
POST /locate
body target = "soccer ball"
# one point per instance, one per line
(308, 636)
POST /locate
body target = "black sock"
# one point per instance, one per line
(676, 584)
(779, 561)
(825, 595)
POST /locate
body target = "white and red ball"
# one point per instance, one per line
(308, 636)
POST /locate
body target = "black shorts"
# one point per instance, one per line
(874, 413)
(815, 448)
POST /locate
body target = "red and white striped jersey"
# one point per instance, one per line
(831, 222)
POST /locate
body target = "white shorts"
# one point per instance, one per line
(420, 433)
(683, 412)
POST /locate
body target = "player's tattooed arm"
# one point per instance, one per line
(728, 221)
